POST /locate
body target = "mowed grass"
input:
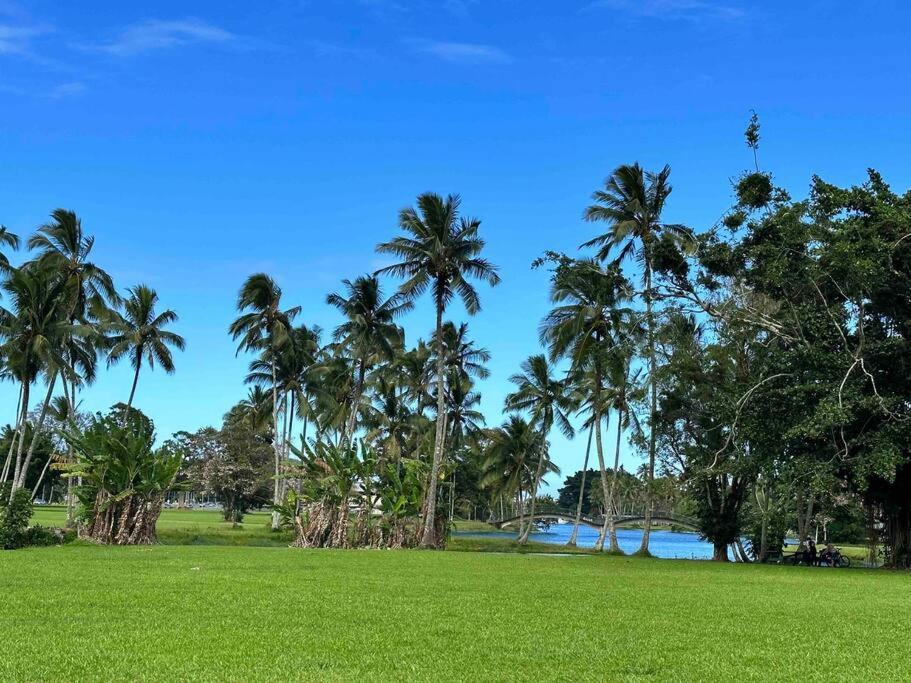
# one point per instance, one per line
(193, 527)
(82, 612)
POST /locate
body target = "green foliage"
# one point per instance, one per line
(15, 514)
(754, 190)
(123, 477)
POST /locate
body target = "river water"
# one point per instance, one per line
(668, 544)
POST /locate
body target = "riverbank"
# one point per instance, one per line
(243, 613)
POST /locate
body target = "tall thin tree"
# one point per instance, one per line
(440, 251)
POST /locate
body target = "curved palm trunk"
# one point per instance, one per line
(70, 484)
(653, 401)
(612, 531)
(133, 388)
(572, 538)
(23, 421)
(37, 431)
(276, 449)
(539, 472)
(428, 537)
(605, 488)
(41, 477)
(12, 442)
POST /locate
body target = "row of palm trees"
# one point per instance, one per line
(365, 381)
(608, 344)
(62, 314)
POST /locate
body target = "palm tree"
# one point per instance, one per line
(33, 332)
(139, 333)
(440, 251)
(509, 459)
(7, 239)
(263, 325)
(369, 333)
(62, 246)
(581, 327)
(631, 204)
(547, 401)
(621, 392)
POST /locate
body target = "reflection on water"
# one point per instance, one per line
(669, 544)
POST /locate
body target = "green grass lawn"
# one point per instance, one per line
(244, 613)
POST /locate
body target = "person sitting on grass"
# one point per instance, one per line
(829, 556)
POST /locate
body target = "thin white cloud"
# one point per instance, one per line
(16, 40)
(671, 9)
(67, 90)
(463, 53)
(154, 35)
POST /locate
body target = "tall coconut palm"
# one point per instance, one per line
(440, 251)
(368, 334)
(622, 391)
(264, 325)
(582, 326)
(62, 245)
(631, 204)
(33, 330)
(139, 333)
(547, 401)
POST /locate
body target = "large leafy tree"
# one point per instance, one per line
(631, 204)
(440, 251)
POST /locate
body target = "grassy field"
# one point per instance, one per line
(241, 613)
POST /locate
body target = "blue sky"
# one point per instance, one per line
(201, 142)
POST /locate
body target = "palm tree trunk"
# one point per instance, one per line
(428, 538)
(605, 488)
(41, 477)
(355, 400)
(276, 446)
(36, 433)
(70, 484)
(572, 538)
(539, 471)
(653, 401)
(133, 388)
(12, 441)
(614, 545)
(23, 421)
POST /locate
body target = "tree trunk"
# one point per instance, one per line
(133, 388)
(276, 447)
(605, 487)
(36, 432)
(428, 537)
(351, 422)
(612, 505)
(653, 401)
(41, 476)
(70, 484)
(539, 472)
(26, 389)
(720, 552)
(12, 442)
(572, 538)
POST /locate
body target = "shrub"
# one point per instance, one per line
(14, 516)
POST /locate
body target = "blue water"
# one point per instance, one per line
(668, 544)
